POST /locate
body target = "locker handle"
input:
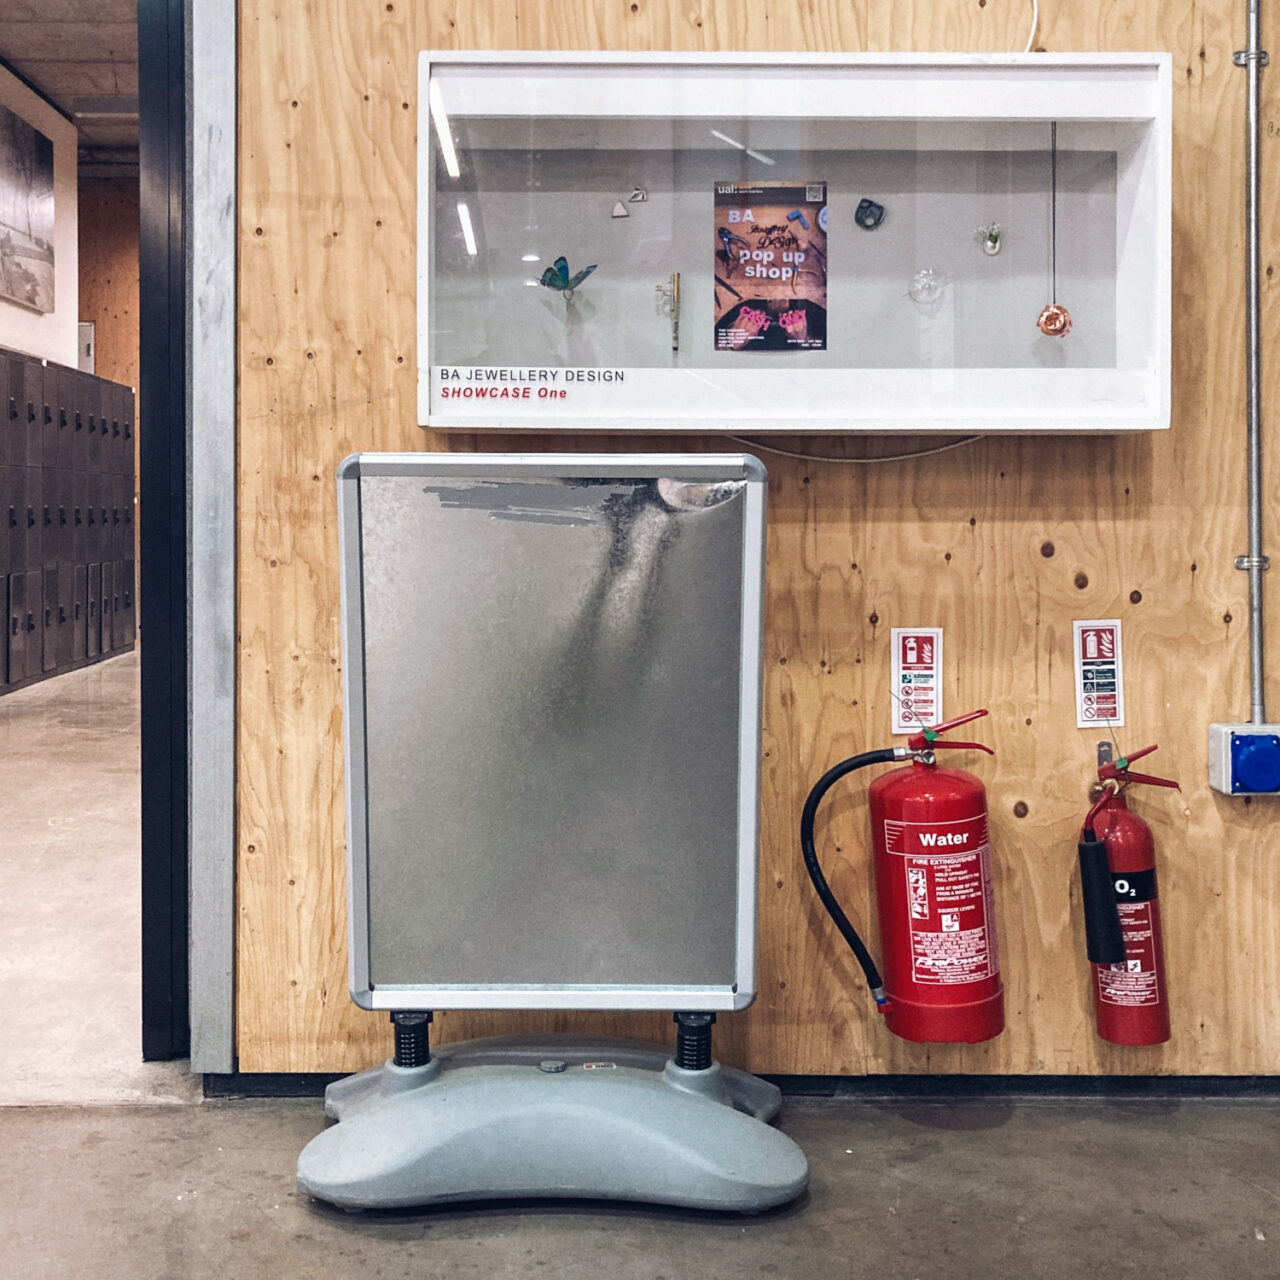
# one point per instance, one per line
(62, 613)
(31, 622)
(13, 407)
(31, 517)
(48, 617)
(48, 518)
(115, 515)
(13, 517)
(48, 416)
(78, 521)
(31, 411)
(77, 610)
(115, 427)
(13, 622)
(62, 417)
(79, 421)
(92, 424)
(90, 515)
(62, 515)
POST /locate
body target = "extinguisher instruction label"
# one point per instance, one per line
(947, 868)
(917, 678)
(1135, 982)
(1099, 673)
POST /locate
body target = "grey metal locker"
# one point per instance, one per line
(65, 417)
(126, 619)
(32, 557)
(80, 423)
(32, 410)
(13, 440)
(14, 514)
(108, 607)
(93, 622)
(63, 623)
(48, 620)
(49, 490)
(15, 632)
(79, 610)
(66, 519)
(79, 517)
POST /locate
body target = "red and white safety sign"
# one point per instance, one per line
(1099, 673)
(917, 678)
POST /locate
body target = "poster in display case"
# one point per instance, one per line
(794, 243)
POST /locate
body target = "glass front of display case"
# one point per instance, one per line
(602, 243)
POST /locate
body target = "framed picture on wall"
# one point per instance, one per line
(26, 214)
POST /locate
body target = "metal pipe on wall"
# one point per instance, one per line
(1253, 59)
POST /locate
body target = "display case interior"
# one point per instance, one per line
(593, 256)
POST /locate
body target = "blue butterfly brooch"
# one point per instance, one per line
(558, 277)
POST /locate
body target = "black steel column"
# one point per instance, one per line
(163, 515)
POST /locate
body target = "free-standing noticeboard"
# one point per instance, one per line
(552, 683)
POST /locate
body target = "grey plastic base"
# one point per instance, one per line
(567, 1116)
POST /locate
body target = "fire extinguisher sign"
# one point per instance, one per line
(1099, 673)
(917, 678)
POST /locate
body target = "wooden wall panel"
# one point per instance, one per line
(1003, 542)
(109, 278)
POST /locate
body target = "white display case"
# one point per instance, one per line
(793, 243)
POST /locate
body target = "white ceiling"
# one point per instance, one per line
(83, 56)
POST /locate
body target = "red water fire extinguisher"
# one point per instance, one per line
(933, 892)
(1122, 912)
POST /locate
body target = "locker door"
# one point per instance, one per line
(116, 482)
(126, 618)
(92, 520)
(33, 517)
(4, 643)
(13, 480)
(7, 499)
(63, 623)
(13, 440)
(49, 415)
(108, 609)
(49, 517)
(79, 610)
(65, 418)
(66, 518)
(80, 424)
(32, 410)
(16, 630)
(79, 517)
(93, 622)
(49, 620)
(31, 620)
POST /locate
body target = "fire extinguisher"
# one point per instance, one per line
(1122, 912)
(933, 892)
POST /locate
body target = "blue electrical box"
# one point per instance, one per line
(1244, 759)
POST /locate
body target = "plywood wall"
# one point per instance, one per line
(109, 278)
(1002, 542)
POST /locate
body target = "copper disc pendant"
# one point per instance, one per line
(1054, 321)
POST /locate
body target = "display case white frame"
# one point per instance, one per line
(1082, 92)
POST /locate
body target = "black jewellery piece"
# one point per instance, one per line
(868, 215)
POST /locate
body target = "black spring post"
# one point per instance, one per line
(413, 1039)
(693, 1040)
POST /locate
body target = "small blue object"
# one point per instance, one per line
(822, 219)
(796, 215)
(558, 277)
(1255, 762)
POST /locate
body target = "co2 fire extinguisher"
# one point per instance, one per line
(933, 892)
(1122, 912)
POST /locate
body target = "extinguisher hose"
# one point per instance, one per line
(834, 910)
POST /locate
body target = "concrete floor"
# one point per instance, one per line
(115, 1168)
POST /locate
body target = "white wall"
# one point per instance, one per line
(51, 336)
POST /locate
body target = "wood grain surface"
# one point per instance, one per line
(1003, 542)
